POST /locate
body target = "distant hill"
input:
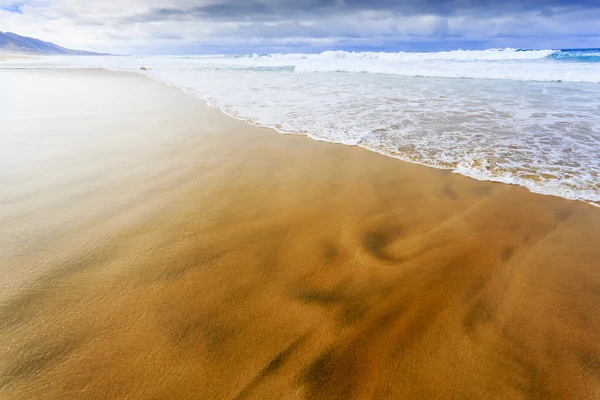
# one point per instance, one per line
(11, 42)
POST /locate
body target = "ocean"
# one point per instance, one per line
(524, 117)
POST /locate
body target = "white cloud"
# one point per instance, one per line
(196, 25)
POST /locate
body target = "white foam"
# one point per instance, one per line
(455, 55)
(541, 135)
(505, 64)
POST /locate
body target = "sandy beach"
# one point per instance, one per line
(154, 248)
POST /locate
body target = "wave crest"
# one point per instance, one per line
(455, 55)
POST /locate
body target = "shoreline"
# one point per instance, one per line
(529, 185)
(155, 247)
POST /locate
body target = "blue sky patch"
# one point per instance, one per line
(13, 8)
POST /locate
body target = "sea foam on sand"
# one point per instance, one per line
(529, 118)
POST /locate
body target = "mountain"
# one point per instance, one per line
(11, 42)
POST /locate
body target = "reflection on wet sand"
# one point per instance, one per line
(188, 255)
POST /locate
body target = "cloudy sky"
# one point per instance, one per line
(238, 26)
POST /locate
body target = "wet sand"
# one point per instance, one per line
(154, 248)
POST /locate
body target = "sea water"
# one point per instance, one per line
(530, 118)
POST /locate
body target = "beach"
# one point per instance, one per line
(153, 247)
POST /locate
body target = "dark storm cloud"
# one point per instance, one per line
(232, 11)
(401, 19)
(229, 10)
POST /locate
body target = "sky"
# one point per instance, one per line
(268, 26)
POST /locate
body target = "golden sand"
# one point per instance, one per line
(187, 255)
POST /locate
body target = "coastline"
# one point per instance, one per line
(185, 252)
(473, 168)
